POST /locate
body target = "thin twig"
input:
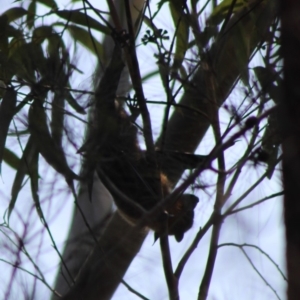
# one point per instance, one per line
(166, 82)
(89, 30)
(172, 281)
(134, 291)
(260, 250)
(134, 70)
(33, 275)
(204, 286)
(252, 264)
(194, 245)
(242, 162)
(255, 203)
(247, 192)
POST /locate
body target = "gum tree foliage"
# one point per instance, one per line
(216, 73)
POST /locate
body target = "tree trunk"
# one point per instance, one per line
(289, 118)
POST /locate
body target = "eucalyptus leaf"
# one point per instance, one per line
(86, 39)
(41, 33)
(266, 78)
(50, 3)
(74, 103)
(15, 13)
(52, 153)
(34, 183)
(24, 168)
(7, 112)
(57, 117)
(11, 158)
(221, 10)
(79, 18)
(31, 14)
(182, 35)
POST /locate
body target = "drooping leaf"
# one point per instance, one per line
(41, 33)
(34, 184)
(271, 142)
(50, 3)
(55, 43)
(229, 48)
(31, 14)
(221, 10)
(28, 98)
(24, 168)
(242, 45)
(56, 62)
(182, 35)
(21, 58)
(15, 13)
(7, 111)
(266, 78)
(39, 60)
(11, 158)
(57, 117)
(52, 153)
(86, 39)
(149, 75)
(14, 32)
(79, 18)
(28, 58)
(160, 5)
(73, 103)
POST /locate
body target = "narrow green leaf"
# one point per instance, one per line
(275, 93)
(15, 33)
(73, 102)
(7, 111)
(22, 58)
(266, 78)
(23, 169)
(221, 11)
(41, 33)
(34, 183)
(50, 3)
(182, 36)
(11, 158)
(160, 4)
(55, 44)
(57, 117)
(80, 18)
(52, 153)
(38, 58)
(242, 50)
(84, 37)
(15, 13)
(150, 75)
(24, 102)
(54, 63)
(236, 43)
(31, 14)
